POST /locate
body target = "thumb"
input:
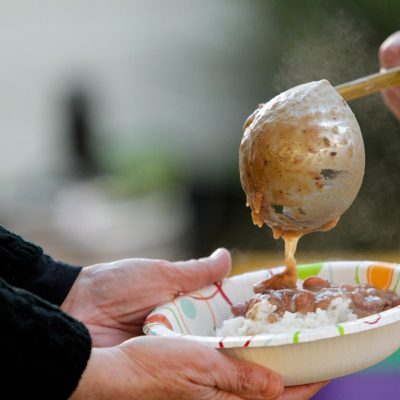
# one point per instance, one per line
(195, 274)
(389, 52)
(389, 56)
(245, 379)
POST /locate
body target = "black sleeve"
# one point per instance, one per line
(24, 265)
(43, 350)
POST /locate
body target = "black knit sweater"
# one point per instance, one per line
(43, 350)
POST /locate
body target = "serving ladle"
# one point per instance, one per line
(302, 161)
(369, 84)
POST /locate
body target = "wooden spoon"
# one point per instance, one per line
(369, 84)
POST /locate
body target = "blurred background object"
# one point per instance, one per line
(121, 122)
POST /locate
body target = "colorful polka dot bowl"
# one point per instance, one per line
(306, 356)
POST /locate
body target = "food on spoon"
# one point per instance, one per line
(300, 150)
(301, 165)
(313, 304)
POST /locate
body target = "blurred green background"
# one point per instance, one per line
(121, 121)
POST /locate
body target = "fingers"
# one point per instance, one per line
(246, 380)
(391, 98)
(389, 57)
(215, 394)
(195, 274)
(389, 52)
(303, 392)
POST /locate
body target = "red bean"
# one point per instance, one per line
(280, 309)
(395, 301)
(304, 301)
(315, 283)
(323, 303)
(239, 309)
(346, 288)
(318, 293)
(357, 299)
(282, 299)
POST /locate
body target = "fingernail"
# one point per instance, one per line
(273, 386)
(217, 253)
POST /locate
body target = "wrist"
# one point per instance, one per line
(96, 381)
(78, 294)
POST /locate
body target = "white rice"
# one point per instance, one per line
(337, 312)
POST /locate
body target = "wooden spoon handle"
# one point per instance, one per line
(369, 84)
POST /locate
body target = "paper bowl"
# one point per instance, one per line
(299, 356)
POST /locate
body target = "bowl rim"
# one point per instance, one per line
(368, 323)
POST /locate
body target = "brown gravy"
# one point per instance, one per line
(288, 278)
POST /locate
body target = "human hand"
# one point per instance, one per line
(302, 392)
(113, 299)
(152, 368)
(389, 57)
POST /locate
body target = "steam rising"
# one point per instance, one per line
(340, 51)
(345, 49)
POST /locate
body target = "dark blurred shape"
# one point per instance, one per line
(80, 134)
(209, 210)
(219, 218)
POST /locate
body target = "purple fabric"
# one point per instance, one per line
(384, 386)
